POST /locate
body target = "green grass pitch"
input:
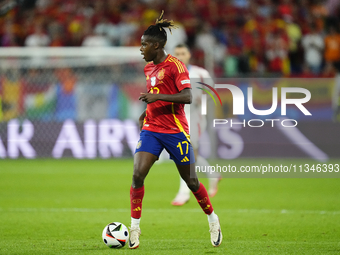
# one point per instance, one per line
(61, 207)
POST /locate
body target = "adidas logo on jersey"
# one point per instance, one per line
(185, 159)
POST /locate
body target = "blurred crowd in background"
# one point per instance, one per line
(284, 37)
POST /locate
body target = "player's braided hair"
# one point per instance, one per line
(158, 32)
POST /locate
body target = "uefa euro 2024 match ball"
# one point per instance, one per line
(115, 235)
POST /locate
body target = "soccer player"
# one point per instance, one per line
(198, 124)
(164, 126)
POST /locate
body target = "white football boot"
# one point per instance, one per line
(134, 237)
(180, 199)
(215, 233)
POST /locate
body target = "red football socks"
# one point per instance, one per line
(136, 198)
(203, 199)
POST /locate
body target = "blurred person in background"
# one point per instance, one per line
(9, 38)
(313, 45)
(318, 13)
(178, 35)
(256, 53)
(42, 4)
(266, 9)
(197, 124)
(277, 52)
(77, 29)
(190, 20)
(294, 34)
(128, 27)
(303, 10)
(106, 27)
(11, 100)
(235, 61)
(333, 7)
(205, 40)
(319, 8)
(241, 3)
(94, 39)
(332, 49)
(38, 38)
(55, 30)
(285, 8)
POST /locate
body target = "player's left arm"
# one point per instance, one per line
(183, 97)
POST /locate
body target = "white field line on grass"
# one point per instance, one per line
(165, 210)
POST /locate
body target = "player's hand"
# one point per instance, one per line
(148, 97)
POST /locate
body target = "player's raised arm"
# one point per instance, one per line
(183, 97)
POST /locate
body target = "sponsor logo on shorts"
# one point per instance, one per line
(185, 81)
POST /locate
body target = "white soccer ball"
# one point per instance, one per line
(115, 235)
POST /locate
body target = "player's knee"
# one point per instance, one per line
(193, 184)
(137, 179)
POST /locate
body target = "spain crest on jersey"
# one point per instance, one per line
(160, 74)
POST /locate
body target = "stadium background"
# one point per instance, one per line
(70, 76)
(83, 83)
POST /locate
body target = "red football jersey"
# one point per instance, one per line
(169, 77)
